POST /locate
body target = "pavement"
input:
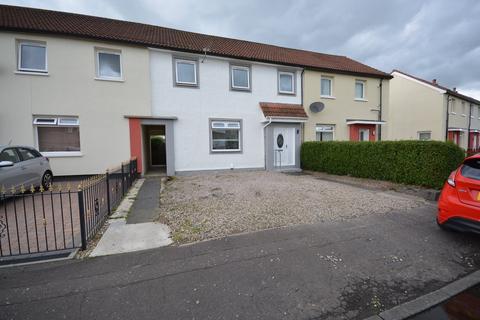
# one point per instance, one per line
(130, 227)
(334, 270)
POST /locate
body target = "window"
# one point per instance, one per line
(464, 110)
(360, 90)
(325, 132)
(59, 136)
(225, 136)
(109, 65)
(186, 72)
(240, 78)
(424, 135)
(326, 87)
(26, 154)
(471, 169)
(452, 106)
(32, 57)
(9, 155)
(286, 82)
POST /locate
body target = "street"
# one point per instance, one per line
(336, 270)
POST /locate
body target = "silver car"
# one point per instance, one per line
(22, 165)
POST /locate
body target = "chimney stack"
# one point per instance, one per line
(455, 89)
(434, 81)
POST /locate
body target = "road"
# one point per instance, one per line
(343, 270)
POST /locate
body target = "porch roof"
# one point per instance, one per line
(151, 117)
(283, 110)
(363, 121)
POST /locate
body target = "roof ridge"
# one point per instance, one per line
(174, 29)
(30, 19)
(449, 91)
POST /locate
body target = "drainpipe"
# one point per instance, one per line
(469, 126)
(446, 129)
(379, 131)
(301, 86)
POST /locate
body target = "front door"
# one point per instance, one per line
(364, 134)
(283, 146)
(157, 150)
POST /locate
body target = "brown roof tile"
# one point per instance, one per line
(53, 22)
(284, 110)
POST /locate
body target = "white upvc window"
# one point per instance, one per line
(424, 135)
(452, 107)
(360, 90)
(109, 65)
(286, 82)
(186, 72)
(464, 109)
(225, 136)
(32, 57)
(240, 78)
(325, 132)
(58, 136)
(326, 90)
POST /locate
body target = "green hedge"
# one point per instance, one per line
(424, 163)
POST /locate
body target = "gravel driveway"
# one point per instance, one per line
(218, 204)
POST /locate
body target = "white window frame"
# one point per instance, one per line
(57, 123)
(225, 125)
(329, 96)
(452, 107)
(318, 129)
(292, 74)
(233, 86)
(36, 44)
(192, 62)
(97, 57)
(422, 132)
(363, 83)
(464, 109)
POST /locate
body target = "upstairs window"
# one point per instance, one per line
(286, 82)
(360, 90)
(225, 136)
(324, 132)
(186, 72)
(58, 135)
(240, 78)
(464, 109)
(326, 87)
(109, 65)
(32, 57)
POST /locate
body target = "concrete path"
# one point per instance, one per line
(145, 207)
(339, 270)
(122, 237)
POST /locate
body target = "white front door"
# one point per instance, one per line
(283, 146)
(364, 134)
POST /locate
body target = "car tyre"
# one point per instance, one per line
(47, 179)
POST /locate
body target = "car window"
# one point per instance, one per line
(471, 169)
(9, 155)
(26, 154)
(36, 153)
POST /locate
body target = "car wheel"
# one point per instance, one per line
(47, 180)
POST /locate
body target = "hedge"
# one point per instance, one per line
(423, 163)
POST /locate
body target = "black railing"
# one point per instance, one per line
(66, 216)
(38, 222)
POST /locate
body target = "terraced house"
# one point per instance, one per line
(426, 110)
(90, 92)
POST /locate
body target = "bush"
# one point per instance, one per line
(423, 163)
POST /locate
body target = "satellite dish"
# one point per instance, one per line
(317, 107)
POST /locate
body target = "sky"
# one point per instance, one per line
(431, 39)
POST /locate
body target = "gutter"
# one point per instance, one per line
(379, 130)
(469, 127)
(446, 129)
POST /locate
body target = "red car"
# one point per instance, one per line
(459, 203)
